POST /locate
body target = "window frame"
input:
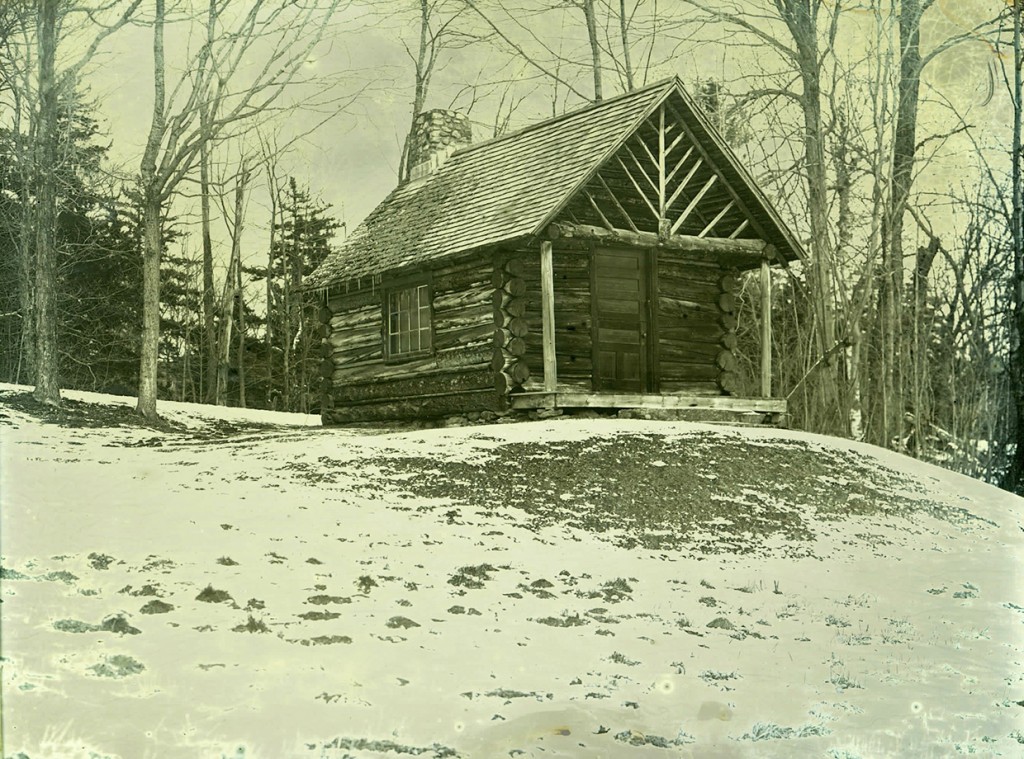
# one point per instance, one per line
(396, 287)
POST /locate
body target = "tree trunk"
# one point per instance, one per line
(241, 336)
(209, 320)
(26, 371)
(148, 366)
(595, 48)
(802, 23)
(422, 84)
(627, 62)
(152, 229)
(1015, 476)
(47, 388)
(891, 304)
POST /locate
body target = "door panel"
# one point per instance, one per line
(620, 311)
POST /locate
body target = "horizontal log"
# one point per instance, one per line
(688, 371)
(356, 318)
(679, 308)
(461, 319)
(689, 352)
(502, 301)
(705, 331)
(729, 283)
(518, 327)
(456, 301)
(685, 271)
(357, 354)
(516, 287)
(356, 299)
(684, 287)
(377, 369)
(503, 338)
(417, 408)
(727, 303)
(752, 248)
(519, 371)
(326, 368)
(729, 341)
(726, 361)
(342, 339)
(326, 398)
(462, 336)
(325, 315)
(472, 378)
(515, 267)
(729, 382)
(478, 354)
(503, 383)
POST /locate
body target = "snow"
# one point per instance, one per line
(453, 627)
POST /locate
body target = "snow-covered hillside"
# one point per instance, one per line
(236, 585)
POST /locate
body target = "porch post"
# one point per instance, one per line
(766, 325)
(547, 291)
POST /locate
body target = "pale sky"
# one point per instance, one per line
(351, 162)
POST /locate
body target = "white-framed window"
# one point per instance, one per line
(409, 321)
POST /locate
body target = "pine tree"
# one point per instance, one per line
(303, 234)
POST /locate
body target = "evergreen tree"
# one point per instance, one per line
(303, 234)
(96, 239)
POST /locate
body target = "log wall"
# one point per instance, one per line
(487, 336)
(695, 325)
(511, 329)
(573, 341)
(360, 385)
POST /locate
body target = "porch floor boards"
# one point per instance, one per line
(667, 401)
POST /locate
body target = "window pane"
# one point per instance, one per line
(414, 319)
(409, 319)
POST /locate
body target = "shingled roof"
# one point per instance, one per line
(514, 185)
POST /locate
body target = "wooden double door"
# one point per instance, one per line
(623, 289)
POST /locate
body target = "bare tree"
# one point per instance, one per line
(220, 80)
(437, 32)
(1014, 479)
(51, 87)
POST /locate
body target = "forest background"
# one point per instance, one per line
(172, 170)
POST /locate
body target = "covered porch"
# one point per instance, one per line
(743, 254)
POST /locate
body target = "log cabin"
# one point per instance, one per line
(587, 261)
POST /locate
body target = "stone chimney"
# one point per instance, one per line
(435, 136)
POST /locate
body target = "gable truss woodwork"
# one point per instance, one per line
(660, 181)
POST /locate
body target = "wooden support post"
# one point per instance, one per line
(547, 291)
(766, 327)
